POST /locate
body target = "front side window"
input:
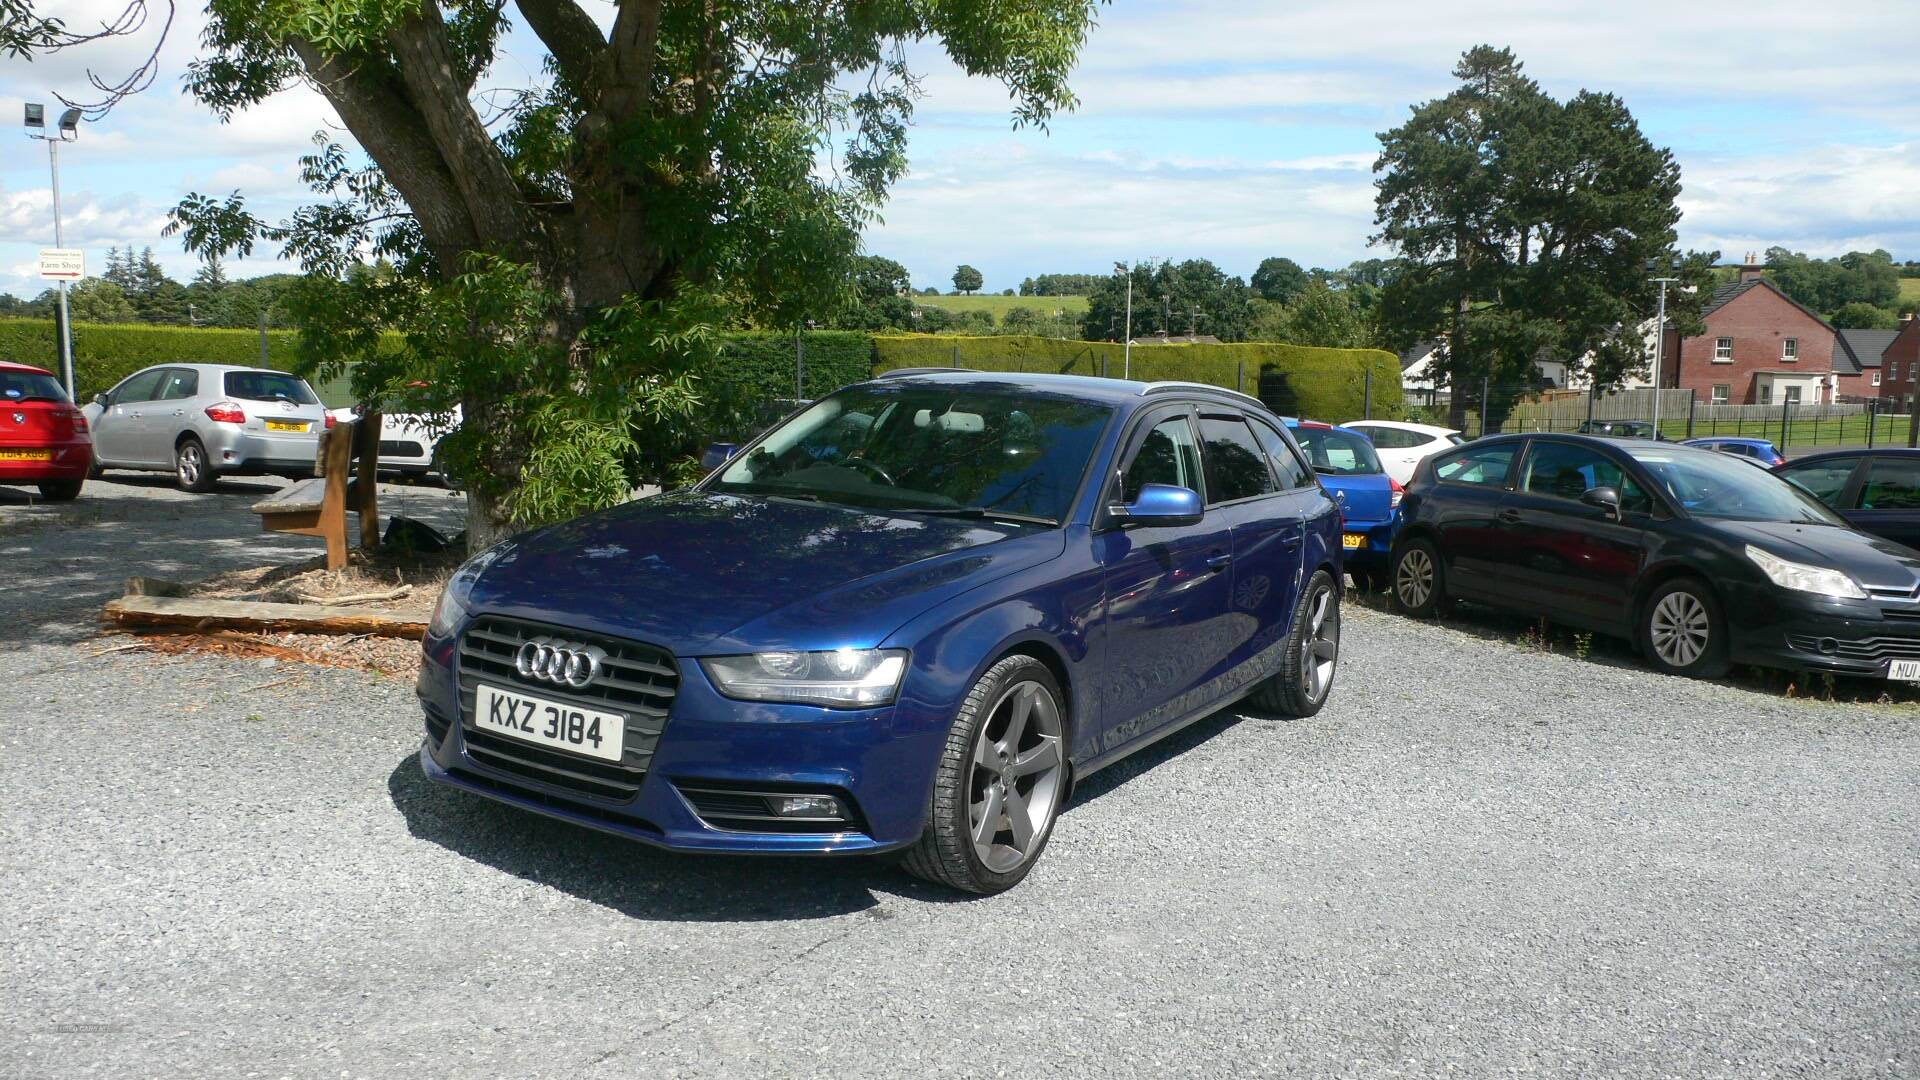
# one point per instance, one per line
(268, 386)
(1721, 393)
(1825, 480)
(139, 387)
(1561, 471)
(1293, 472)
(1790, 349)
(1168, 455)
(1236, 469)
(1486, 466)
(1723, 350)
(928, 448)
(1891, 484)
(1336, 452)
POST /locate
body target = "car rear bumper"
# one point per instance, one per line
(240, 451)
(70, 461)
(1817, 637)
(1372, 554)
(711, 742)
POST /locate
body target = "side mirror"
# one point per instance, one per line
(718, 454)
(101, 399)
(1605, 498)
(1160, 504)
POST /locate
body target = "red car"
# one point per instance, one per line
(43, 438)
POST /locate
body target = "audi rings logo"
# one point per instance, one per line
(561, 663)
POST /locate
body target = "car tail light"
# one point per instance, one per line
(330, 421)
(79, 421)
(1398, 492)
(226, 412)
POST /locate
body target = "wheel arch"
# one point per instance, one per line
(1660, 575)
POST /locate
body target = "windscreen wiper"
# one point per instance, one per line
(980, 512)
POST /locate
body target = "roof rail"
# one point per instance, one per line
(898, 372)
(1171, 385)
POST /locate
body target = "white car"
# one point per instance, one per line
(1402, 446)
(409, 446)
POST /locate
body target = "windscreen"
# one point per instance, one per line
(1713, 485)
(929, 448)
(29, 386)
(269, 386)
(1336, 452)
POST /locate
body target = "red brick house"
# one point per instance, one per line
(1889, 360)
(1761, 348)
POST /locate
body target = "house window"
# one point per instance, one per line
(1723, 350)
(1790, 349)
(1721, 393)
(1793, 394)
(1876, 378)
(1765, 393)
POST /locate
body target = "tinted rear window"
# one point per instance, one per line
(269, 386)
(30, 386)
(1336, 452)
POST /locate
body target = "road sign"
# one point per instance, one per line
(63, 264)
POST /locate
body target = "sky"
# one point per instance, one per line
(1225, 130)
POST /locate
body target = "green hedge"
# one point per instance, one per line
(761, 365)
(103, 354)
(1327, 384)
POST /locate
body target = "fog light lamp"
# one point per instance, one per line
(807, 806)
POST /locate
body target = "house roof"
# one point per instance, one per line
(1420, 351)
(1866, 346)
(1733, 290)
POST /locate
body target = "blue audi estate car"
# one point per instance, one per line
(906, 619)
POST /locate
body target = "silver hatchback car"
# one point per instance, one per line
(205, 421)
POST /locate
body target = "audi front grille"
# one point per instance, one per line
(634, 679)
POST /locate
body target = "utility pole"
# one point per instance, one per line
(69, 130)
(1659, 348)
(1126, 350)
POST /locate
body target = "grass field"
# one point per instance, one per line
(1000, 305)
(1910, 289)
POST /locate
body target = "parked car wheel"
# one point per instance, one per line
(1365, 581)
(439, 471)
(1419, 580)
(94, 471)
(1000, 782)
(191, 469)
(61, 490)
(1682, 631)
(1312, 653)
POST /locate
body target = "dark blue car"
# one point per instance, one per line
(909, 618)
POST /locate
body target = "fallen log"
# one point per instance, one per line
(259, 616)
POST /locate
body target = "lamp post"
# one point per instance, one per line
(1659, 347)
(68, 130)
(1126, 350)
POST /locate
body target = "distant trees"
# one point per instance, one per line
(1856, 280)
(1193, 296)
(99, 300)
(1061, 284)
(1859, 315)
(1279, 279)
(1526, 226)
(1318, 315)
(880, 297)
(967, 280)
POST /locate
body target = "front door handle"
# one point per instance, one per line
(1509, 517)
(1218, 561)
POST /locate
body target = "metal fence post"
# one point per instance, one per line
(1240, 376)
(1693, 403)
(800, 364)
(1872, 412)
(1486, 382)
(1366, 400)
(1786, 414)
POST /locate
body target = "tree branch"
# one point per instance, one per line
(570, 35)
(636, 33)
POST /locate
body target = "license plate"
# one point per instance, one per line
(1904, 670)
(1353, 541)
(26, 455)
(286, 425)
(549, 723)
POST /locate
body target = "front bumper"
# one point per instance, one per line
(1769, 630)
(70, 461)
(877, 760)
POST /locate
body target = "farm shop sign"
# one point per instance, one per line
(63, 264)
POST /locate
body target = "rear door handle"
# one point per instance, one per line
(1218, 562)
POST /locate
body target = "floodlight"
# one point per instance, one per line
(70, 122)
(36, 115)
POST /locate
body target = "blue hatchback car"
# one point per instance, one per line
(1369, 499)
(908, 618)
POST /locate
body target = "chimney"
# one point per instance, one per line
(1752, 268)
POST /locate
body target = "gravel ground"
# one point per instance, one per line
(1478, 860)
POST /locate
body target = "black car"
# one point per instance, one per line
(1877, 491)
(1702, 560)
(1619, 429)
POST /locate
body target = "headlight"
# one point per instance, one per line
(844, 678)
(1803, 578)
(453, 599)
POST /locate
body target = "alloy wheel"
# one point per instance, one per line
(189, 464)
(1678, 628)
(1320, 645)
(1016, 777)
(1413, 578)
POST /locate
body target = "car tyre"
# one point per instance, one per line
(1682, 630)
(1312, 654)
(61, 490)
(192, 471)
(1419, 580)
(1000, 782)
(95, 470)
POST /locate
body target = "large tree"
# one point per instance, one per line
(562, 251)
(1528, 229)
(1278, 279)
(1193, 296)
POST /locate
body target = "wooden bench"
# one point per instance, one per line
(318, 507)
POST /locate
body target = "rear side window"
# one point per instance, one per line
(140, 387)
(1486, 466)
(1336, 452)
(1824, 480)
(268, 386)
(1168, 455)
(1236, 468)
(1387, 438)
(179, 384)
(29, 386)
(1892, 484)
(1293, 473)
